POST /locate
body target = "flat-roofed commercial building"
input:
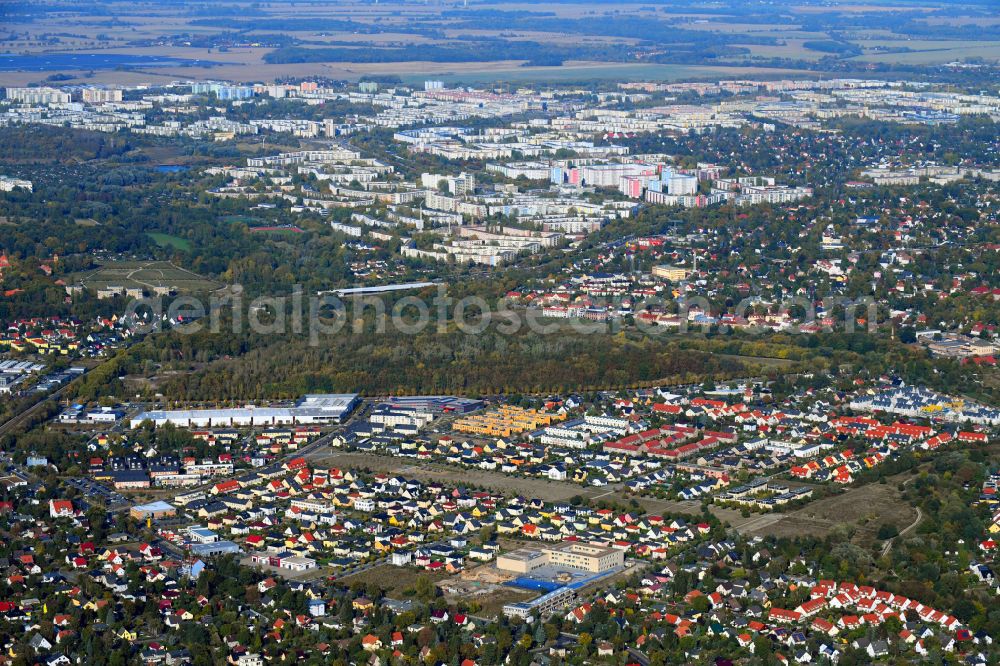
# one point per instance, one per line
(586, 556)
(298, 563)
(523, 560)
(504, 421)
(545, 604)
(571, 554)
(672, 273)
(435, 403)
(214, 548)
(310, 409)
(154, 510)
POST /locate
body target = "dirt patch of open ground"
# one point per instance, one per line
(547, 490)
(865, 508)
(483, 586)
(491, 606)
(394, 581)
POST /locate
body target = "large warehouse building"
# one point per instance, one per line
(310, 409)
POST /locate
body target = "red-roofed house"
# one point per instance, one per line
(61, 508)
(783, 615)
(825, 626)
(811, 607)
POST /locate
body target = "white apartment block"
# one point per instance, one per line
(10, 184)
(38, 96)
(101, 95)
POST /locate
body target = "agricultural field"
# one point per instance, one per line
(155, 46)
(790, 48)
(932, 53)
(476, 73)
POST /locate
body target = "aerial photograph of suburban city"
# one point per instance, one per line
(491, 332)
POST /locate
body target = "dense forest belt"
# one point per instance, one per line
(236, 367)
(225, 366)
(481, 50)
(432, 362)
(40, 143)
